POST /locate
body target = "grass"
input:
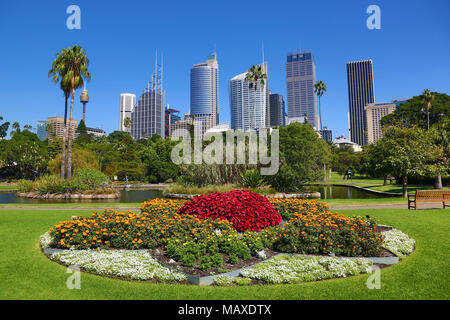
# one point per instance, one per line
(27, 274)
(80, 205)
(9, 187)
(375, 184)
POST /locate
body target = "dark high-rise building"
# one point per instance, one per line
(360, 93)
(300, 80)
(327, 134)
(276, 108)
(172, 116)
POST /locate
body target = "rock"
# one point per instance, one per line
(171, 261)
(261, 254)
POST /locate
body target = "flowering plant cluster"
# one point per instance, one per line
(288, 207)
(295, 269)
(129, 230)
(327, 232)
(398, 243)
(245, 210)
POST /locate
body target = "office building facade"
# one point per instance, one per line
(172, 116)
(148, 117)
(205, 90)
(373, 114)
(127, 103)
(57, 127)
(300, 80)
(248, 107)
(276, 110)
(361, 93)
(327, 134)
(41, 129)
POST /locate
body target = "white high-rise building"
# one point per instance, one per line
(248, 109)
(127, 103)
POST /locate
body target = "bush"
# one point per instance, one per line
(51, 184)
(89, 179)
(25, 185)
(81, 159)
(245, 210)
(252, 179)
(288, 207)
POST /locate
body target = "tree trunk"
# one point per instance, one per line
(385, 181)
(69, 147)
(63, 154)
(438, 182)
(405, 187)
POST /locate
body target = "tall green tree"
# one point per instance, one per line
(440, 134)
(427, 97)
(58, 72)
(255, 76)
(412, 113)
(405, 152)
(3, 128)
(76, 64)
(320, 88)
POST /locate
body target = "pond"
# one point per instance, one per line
(343, 192)
(327, 192)
(125, 196)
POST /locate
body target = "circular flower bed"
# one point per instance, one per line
(244, 209)
(204, 245)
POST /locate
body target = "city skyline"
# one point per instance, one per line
(336, 33)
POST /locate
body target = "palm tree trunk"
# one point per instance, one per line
(63, 154)
(69, 147)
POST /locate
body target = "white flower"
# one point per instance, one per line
(398, 243)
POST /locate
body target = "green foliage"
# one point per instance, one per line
(25, 185)
(51, 184)
(90, 179)
(23, 156)
(252, 179)
(413, 113)
(3, 128)
(302, 155)
(81, 159)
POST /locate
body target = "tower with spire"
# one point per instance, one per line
(84, 99)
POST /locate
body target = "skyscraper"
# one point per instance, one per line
(205, 91)
(148, 117)
(361, 92)
(373, 115)
(41, 129)
(276, 108)
(172, 116)
(243, 100)
(300, 80)
(127, 103)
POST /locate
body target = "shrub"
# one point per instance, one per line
(51, 184)
(252, 179)
(328, 232)
(288, 207)
(89, 178)
(25, 185)
(245, 210)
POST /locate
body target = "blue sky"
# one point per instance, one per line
(411, 51)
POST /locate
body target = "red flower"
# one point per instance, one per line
(245, 210)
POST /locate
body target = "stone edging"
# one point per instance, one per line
(36, 195)
(311, 195)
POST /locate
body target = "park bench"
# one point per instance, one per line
(429, 196)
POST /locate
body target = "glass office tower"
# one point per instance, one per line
(300, 80)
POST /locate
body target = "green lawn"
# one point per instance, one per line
(8, 187)
(27, 274)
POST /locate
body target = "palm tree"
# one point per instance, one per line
(254, 76)
(74, 64)
(58, 72)
(427, 97)
(127, 122)
(320, 88)
(15, 128)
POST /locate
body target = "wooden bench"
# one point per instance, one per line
(429, 196)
